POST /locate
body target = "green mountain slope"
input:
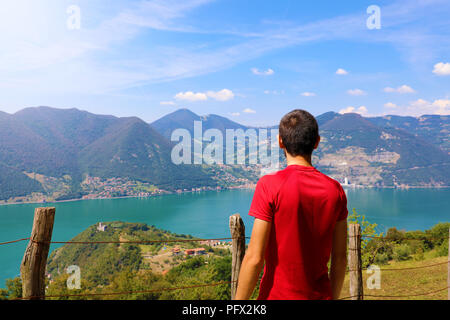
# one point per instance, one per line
(57, 149)
(114, 267)
(136, 151)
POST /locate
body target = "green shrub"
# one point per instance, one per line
(416, 246)
(419, 254)
(382, 258)
(442, 250)
(402, 252)
(395, 235)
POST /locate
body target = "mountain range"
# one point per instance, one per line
(57, 154)
(52, 151)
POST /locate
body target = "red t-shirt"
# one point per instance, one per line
(303, 204)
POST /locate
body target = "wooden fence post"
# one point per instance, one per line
(32, 269)
(237, 229)
(354, 262)
(448, 267)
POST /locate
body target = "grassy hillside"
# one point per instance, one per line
(401, 255)
(407, 282)
(135, 267)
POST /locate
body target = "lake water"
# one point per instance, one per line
(206, 215)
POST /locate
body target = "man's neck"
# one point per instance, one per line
(298, 160)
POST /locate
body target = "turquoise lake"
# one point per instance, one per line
(206, 215)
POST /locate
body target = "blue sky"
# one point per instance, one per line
(251, 61)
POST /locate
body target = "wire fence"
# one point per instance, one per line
(14, 241)
(127, 292)
(399, 296)
(119, 242)
(410, 295)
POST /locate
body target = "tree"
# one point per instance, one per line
(13, 288)
(370, 245)
(3, 294)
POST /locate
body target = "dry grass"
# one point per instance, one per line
(407, 282)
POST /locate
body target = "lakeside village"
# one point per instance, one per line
(170, 255)
(97, 188)
(120, 187)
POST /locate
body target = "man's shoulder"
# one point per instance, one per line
(279, 176)
(329, 179)
(272, 177)
(330, 183)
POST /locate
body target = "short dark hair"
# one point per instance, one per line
(299, 132)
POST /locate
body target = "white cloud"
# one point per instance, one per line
(167, 103)
(191, 96)
(222, 95)
(442, 69)
(248, 110)
(390, 105)
(441, 106)
(267, 72)
(402, 89)
(274, 92)
(235, 114)
(421, 107)
(362, 110)
(341, 72)
(308, 94)
(356, 92)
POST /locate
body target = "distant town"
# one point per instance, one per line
(97, 188)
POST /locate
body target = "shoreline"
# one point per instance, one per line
(129, 197)
(217, 190)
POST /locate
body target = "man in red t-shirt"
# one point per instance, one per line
(300, 221)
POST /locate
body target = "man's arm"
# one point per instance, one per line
(338, 258)
(253, 259)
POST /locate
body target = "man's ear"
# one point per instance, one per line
(280, 142)
(317, 143)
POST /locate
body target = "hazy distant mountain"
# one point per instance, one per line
(367, 151)
(432, 128)
(48, 153)
(325, 117)
(357, 148)
(184, 118)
